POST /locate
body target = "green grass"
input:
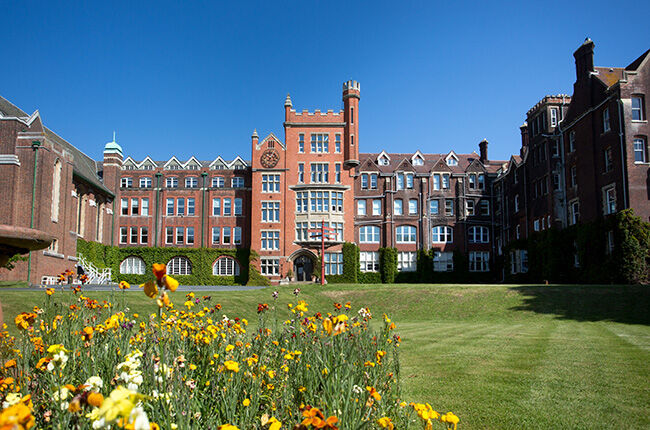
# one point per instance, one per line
(13, 284)
(506, 357)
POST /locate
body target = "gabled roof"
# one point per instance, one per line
(130, 161)
(417, 155)
(192, 160)
(147, 160)
(271, 136)
(430, 162)
(368, 165)
(634, 65)
(239, 161)
(171, 161)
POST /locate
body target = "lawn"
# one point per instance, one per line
(498, 356)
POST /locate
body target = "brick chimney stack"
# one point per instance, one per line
(483, 147)
(351, 97)
(584, 56)
(524, 137)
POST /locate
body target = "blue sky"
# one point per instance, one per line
(195, 78)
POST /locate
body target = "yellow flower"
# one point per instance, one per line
(119, 404)
(246, 402)
(450, 418)
(18, 416)
(229, 348)
(327, 325)
(170, 283)
(228, 427)
(385, 422)
(150, 289)
(373, 393)
(233, 366)
(124, 285)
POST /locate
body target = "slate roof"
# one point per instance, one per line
(430, 161)
(202, 163)
(609, 75)
(84, 166)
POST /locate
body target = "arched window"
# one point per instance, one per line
(179, 266)
(225, 266)
(132, 266)
(405, 234)
(442, 234)
(56, 189)
(478, 234)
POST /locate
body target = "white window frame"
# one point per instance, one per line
(442, 234)
(171, 182)
(406, 234)
(361, 207)
(145, 182)
(179, 266)
(270, 266)
(369, 261)
(369, 234)
(443, 261)
(225, 266)
(413, 206)
(376, 207)
(478, 234)
(407, 261)
(132, 265)
(191, 182)
(398, 207)
(640, 147)
(479, 261)
(609, 199)
(270, 240)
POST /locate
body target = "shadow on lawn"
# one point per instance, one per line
(625, 304)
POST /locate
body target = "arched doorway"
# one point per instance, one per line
(303, 267)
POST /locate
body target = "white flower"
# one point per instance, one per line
(12, 399)
(94, 383)
(357, 389)
(140, 419)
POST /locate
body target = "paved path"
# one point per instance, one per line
(89, 287)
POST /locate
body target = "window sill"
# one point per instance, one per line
(54, 254)
(639, 121)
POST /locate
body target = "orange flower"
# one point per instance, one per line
(87, 333)
(373, 393)
(24, 320)
(95, 399)
(10, 363)
(124, 285)
(159, 270)
(49, 291)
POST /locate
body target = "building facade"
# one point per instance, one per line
(582, 157)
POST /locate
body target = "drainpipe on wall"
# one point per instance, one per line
(113, 224)
(36, 145)
(155, 240)
(621, 136)
(203, 211)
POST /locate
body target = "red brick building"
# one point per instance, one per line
(582, 157)
(51, 186)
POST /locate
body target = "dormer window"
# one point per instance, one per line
(451, 161)
(418, 161)
(383, 159)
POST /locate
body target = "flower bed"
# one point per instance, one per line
(100, 365)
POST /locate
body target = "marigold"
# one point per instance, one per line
(228, 427)
(385, 423)
(95, 399)
(233, 366)
(159, 270)
(124, 285)
(24, 320)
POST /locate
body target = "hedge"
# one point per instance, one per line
(551, 253)
(201, 261)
